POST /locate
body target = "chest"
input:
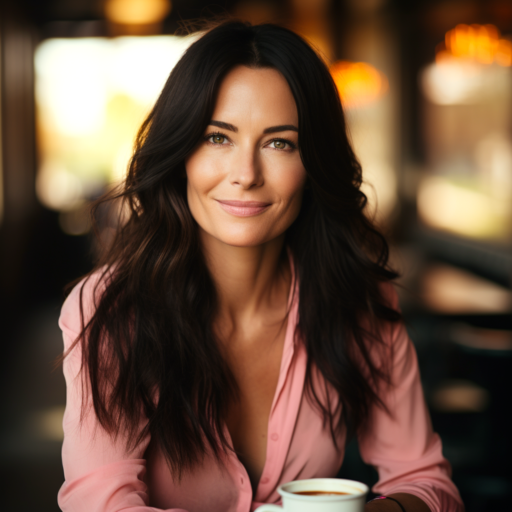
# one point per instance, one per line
(305, 449)
(256, 366)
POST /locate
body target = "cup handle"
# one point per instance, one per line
(269, 508)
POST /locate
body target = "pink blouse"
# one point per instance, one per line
(102, 476)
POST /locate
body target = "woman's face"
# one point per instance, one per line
(245, 178)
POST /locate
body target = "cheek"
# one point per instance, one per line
(196, 185)
(291, 183)
(194, 168)
(201, 177)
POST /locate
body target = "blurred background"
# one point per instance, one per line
(427, 90)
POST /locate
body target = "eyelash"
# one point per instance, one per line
(213, 134)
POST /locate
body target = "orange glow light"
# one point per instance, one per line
(137, 12)
(481, 43)
(358, 83)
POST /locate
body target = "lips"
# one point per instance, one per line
(243, 208)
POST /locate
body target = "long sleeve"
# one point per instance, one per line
(403, 446)
(100, 474)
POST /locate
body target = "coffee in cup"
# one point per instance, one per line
(320, 495)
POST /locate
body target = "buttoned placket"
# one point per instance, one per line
(239, 473)
(282, 418)
(275, 450)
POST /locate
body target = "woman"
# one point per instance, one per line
(242, 324)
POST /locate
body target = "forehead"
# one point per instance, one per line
(255, 95)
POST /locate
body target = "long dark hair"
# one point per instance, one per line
(149, 349)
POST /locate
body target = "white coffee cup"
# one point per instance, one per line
(354, 501)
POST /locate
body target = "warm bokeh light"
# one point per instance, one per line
(454, 291)
(504, 53)
(467, 188)
(137, 12)
(47, 423)
(362, 88)
(460, 396)
(481, 43)
(92, 95)
(460, 82)
(358, 83)
(57, 187)
(467, 65)
(454, 206)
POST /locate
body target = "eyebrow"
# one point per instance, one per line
(271, 129)
(281, 128)
(226, 126)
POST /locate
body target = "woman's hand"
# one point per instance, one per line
(409, 502)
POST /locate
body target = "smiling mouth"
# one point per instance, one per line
(243, 208)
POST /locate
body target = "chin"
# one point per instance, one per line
(247, 241)
(242, 238)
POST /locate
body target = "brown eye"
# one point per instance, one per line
(279, 144)
(218, 139)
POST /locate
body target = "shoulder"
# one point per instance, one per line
(81, 303)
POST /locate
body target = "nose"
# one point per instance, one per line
(246, 171)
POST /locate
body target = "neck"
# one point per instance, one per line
(249, 280)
